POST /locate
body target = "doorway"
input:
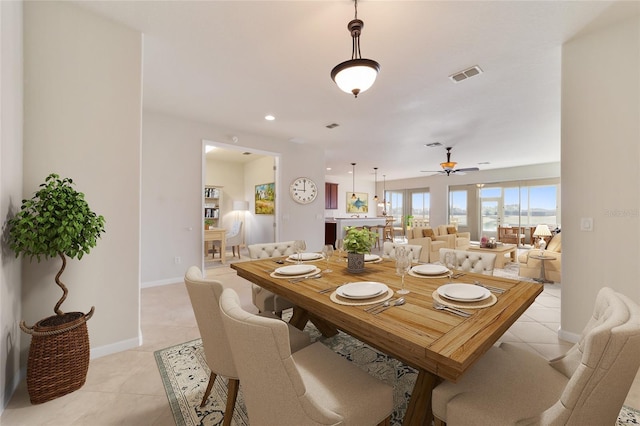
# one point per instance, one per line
(237, 172)
(490, 216)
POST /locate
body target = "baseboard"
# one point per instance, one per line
(113, 348)
(162, 282)
(568, 336)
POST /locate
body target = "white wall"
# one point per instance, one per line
(260, 227)
(600, 166)
(172, 193)
(83, 97)
(10, 192)
(345, 183)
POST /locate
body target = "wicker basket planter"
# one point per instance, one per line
(58, 355)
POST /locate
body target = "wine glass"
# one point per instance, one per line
(327, 252)
(403, 263)
(450, 261)
(340, 248)
(299, 246)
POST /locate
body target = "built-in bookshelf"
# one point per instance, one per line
(212, 203)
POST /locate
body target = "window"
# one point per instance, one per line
(420, 204)
(395, 200)
(458, 208)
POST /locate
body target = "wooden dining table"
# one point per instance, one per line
(439, 344)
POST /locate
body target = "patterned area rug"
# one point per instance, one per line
(185, 375)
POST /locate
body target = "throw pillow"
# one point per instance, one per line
(451, 230)
(427, 232)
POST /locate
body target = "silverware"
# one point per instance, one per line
(441, 307)
(458, 275)
(497, 290)
(388, 305)
(327, 290)
(378, 305)
(306, 277)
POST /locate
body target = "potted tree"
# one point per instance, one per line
(56, 222)
(357, 242)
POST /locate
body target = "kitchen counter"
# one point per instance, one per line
(342, 222)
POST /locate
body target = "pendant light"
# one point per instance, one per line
(355, 75)
(375, 197)
(384, 194)
(353, 176)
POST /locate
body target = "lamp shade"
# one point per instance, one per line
(240, 205)
(542, 231)
(355, 75)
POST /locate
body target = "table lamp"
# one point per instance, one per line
(541, 232)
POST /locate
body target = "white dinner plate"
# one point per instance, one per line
(463, 292)
(362, 290)
(430, 269)
(371, 257)
(295, 269)
(306, 256)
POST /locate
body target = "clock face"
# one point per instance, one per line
(303, 190)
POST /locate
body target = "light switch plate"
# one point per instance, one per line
(586, 224)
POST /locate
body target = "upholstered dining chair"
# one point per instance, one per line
(471, 261)
(389, 250)
(205, 295)
(234, 237)
(314, 386)
(586, 386)
(265, 300)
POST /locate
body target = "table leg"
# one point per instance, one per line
(301, 316)
(223, 249)
(543, 275)
(419, 410)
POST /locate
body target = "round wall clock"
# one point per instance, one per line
(303, 190)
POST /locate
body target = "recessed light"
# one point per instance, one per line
(269, 117)
(329, 168)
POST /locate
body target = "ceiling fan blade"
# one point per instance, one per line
(432, 171)
(467, 169)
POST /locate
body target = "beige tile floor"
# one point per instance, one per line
(125, 388)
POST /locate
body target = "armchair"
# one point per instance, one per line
(456, 240)
(530, 267)
(430, 242)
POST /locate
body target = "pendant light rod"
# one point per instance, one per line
(375, 187)
(353, 176)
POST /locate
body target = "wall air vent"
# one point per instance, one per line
(332, 125)
(465, 74)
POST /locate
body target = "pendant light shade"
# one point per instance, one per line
(355, 75)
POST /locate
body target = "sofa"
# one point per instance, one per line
(430, 242)
(471, 261)
(455, 240)
(530, 267)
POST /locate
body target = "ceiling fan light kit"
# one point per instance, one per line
(357, 74)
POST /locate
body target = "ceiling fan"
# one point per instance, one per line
(449, 166)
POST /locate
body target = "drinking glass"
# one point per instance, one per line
(327, 251)
(403, 263)
(299, 246)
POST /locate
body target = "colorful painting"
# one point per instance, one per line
(359, 204)
(266, 198)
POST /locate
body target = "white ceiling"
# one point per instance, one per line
(230, 63)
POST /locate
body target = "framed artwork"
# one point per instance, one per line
(266, 198)
(358, 205)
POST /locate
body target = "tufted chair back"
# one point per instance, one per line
(472, 261)
(389, 250)
(266, 250)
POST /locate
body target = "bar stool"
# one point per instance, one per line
(389, 234)
(376, 230)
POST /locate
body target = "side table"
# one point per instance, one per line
(542, 279)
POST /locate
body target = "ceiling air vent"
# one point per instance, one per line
(332, 125)
(468, 73)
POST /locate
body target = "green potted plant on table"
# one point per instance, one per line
(357, 242)
(56, 222)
